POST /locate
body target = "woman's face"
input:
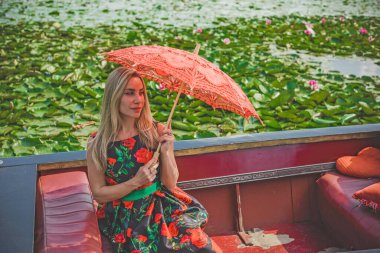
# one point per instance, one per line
(133, 100)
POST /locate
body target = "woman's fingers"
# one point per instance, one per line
(153, 168)
(151, 162)
(167, 131)
(152, 177)
(166, 138)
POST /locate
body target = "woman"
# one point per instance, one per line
(141, 209)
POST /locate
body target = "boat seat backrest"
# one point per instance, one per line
(65, 214)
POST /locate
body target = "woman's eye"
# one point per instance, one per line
(128, 93)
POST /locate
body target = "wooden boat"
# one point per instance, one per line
(259, 189)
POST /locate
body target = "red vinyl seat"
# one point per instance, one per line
(65, 215)
(352, 225)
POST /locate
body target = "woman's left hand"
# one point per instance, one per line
(167, 140)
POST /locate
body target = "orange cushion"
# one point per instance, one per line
(370, 151)
(369, 196)
(366, 164)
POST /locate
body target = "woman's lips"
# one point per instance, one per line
(136, 109)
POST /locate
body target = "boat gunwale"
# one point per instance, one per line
(75, 159)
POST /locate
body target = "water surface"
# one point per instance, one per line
(177, 13)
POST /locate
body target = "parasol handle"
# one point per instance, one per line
(169, 122)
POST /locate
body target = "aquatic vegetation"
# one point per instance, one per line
(52, 77)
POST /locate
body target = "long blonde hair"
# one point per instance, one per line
(111, 123)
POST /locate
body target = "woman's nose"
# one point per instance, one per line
(138, 99)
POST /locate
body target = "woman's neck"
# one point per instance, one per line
(128, 129)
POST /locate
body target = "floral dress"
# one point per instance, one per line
(163, 221)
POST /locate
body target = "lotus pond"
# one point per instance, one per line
(53, 75)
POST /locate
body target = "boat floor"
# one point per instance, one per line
(297, 238)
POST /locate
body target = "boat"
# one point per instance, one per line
(259, 189)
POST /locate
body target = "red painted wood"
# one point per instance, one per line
(267, 158)
(266, 203)
(220, 204)
(302, 198)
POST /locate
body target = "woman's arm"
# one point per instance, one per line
(103, 193)
(169, 170)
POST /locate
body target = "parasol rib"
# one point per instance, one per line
(168, 123)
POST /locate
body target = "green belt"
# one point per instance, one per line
(139, 194)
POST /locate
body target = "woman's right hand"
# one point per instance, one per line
(147, 173)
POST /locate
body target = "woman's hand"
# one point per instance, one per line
(169, 170)
(146, 173)
(167, 140)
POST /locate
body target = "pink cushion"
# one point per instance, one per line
(65, 215)
(369, 196)
(344, 218)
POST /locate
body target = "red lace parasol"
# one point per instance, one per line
(186, 72)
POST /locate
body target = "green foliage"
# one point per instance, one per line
(52, 78)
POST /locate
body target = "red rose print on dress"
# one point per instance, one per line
(119, 238)
(143, 155)
(182, 196)
(128, 204)
(150, 209)
(157, 218)
(129, 232)
(198, 237)
(165, 231)
(185, 239)
(110, 181)
(176, 213)
(115, 203)
(173, 230)
(142, 238)
(111, 161)
(129, 143)
(160, 194)
(100, 212)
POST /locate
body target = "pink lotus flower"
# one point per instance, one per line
(362, 30)
(178, 37)
(342, 18)
(199, 30)
(313, 84)
(268, 21)
(323, 20)
(226, 41)
(309, 29)
(370, 39)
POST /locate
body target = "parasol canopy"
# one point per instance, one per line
(186, 72)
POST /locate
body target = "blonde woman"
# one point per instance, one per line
(141, 209)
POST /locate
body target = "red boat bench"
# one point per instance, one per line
(349, 223)
(65, 214)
